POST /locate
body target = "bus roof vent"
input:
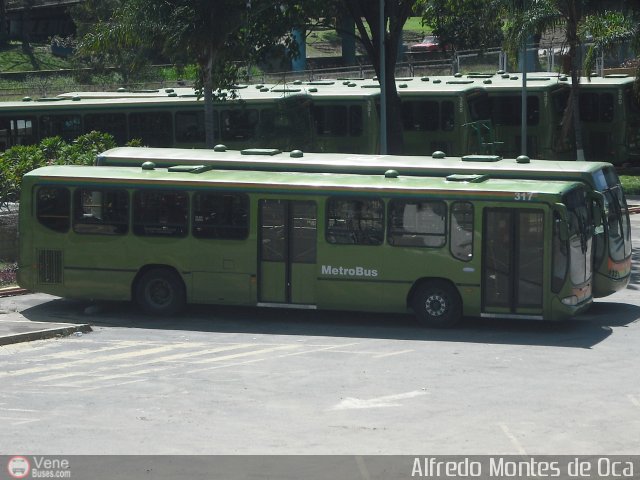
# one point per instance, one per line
(438, 154)
(404, 79)
(148, 166)
(26, 99)
(391, 174)
(286, 90)
(169, 90)
(481, 158)
(617, 75)
(480, 75)
(186, 168)
(473, 178)
(370, 86)
(523, 159)
(424, 79)
(260, 151)
(538, 79)
(321, 82)
(220, 148)
(296, 154)
(50, 99)
(459, 82)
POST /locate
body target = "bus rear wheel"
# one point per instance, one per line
(160, 291)
(437, 304)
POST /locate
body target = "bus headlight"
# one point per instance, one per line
(571, 301)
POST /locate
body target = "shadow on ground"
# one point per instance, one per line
(585, 332)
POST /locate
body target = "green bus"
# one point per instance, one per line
(444, 247)
(279, 117)
(610, 115)
(612, 245)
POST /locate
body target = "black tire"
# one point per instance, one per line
(160, 291)
(437, 304)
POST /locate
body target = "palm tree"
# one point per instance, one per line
(528, 17)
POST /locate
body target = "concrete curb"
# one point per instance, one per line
(44, 334)
(12, 291)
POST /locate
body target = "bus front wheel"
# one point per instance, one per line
(160, 291)
(437, 304)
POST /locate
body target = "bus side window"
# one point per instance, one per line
(66, 126)
(155, 129)
(160, 213)
(448, 116)
(190, 126)
(239, 124)
(330, 120)
(414, 223)
(104, 211)
(355, 120)
(52, 208)
(606, 107)
(218, 215)
(355, 221)
(462, 231)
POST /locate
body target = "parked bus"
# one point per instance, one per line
(476, 113)
(444, 247)
(544, 118)
(612, 246)
(278, 117)
(610, 115)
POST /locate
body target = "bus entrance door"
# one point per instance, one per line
(287, 252)
(512, 267)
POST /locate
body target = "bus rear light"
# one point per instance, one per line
(572, 301)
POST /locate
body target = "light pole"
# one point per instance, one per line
(383, 83)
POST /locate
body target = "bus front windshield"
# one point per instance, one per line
(580, 235)
(616, 214)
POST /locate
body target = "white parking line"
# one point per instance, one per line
(167, 358)
(513, 439)
(382, 355)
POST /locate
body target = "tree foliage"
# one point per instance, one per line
(465, 24)
(21, 159)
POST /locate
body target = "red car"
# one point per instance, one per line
(430, 43)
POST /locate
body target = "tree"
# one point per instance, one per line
(366, 14)
(527, 17)
(577, 18)
(465, 24)
(212, 34)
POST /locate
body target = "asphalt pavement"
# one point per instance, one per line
(16, 328)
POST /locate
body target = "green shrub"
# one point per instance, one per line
(18, 160)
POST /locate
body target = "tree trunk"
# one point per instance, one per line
(574, 44)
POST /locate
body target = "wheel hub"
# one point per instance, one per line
(436, 305)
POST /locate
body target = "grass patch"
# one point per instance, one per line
(13, 59)
(630, 184)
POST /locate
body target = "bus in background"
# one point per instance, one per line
(610, 115)
(504, 93)
(272, 117)
(436, 115)
(612, 245)
(464, 245)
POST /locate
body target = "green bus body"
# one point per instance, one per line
(612, 265)
(610, 114)
(469, 246)
(455, 114)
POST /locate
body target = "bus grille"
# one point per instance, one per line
(50, 266)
